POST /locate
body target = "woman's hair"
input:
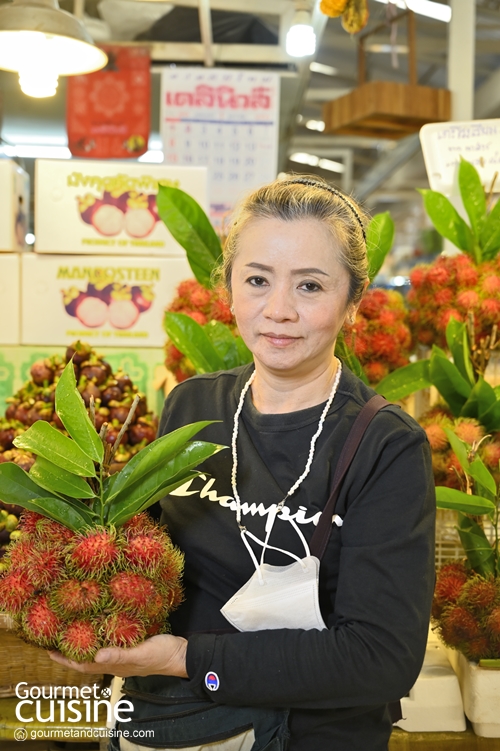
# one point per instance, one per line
(295, 198)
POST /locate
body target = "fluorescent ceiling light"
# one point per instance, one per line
(314, 161)
(301, 39)
(438, 11)
(315, 125)
(327, 70)
(389, 48)
(36, 151)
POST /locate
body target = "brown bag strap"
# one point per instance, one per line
(322, 532)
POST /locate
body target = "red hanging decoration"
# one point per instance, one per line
(108, 112)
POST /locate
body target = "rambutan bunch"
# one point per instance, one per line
(89, 568)
(380, 337)
(466, 611)
(453, 286)
(202, 305)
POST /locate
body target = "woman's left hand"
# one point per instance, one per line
(160, 655)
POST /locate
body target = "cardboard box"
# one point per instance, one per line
(14, 206)
(107, 301)
(101, 206)
(10, 298)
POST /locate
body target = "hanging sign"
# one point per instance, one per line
(477, 141)
(108, 112)
(227, 120)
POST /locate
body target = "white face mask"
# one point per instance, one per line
(277, 596)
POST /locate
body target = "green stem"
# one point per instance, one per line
(101, 489)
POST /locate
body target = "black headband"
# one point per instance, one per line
(333, 191)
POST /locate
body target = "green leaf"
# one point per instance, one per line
(491, 418)
(490, 236)
(17, 487)
(379, 239)
(58, 480)
(448, 221)
(446, 377)
(477, 548)
(190, 226)
(223, 342)
(73, 414)
(459, 449)
(152, 457)
(458, 344)
(481, 399)
(483, 477)
(45, 440)
(405, 381)
(121, 514)
(62, 512)
(244, 354)
(472, 193)
(347, 355)
(191, 339)
(148, 487)
(449, 498)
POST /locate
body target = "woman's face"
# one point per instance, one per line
(289, 293)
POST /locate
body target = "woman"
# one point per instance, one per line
(295, 268)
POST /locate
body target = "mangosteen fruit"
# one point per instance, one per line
(108, 219)
(143, 297)
(111, 393)
(94, 371)
(140, 432)
(88, 389)
(42, 373)
(139, 222)
(123, 380)
(23, 459)
(10, 412)
(79, 352)
(92, 312)
(119, 413)
(123, 314)
(7, 435)
(112, 435)
(35, 414)
(22, 414)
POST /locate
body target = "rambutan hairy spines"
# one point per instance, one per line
(479, 595)
(46, 565)
(28, 521)
(122, 630)
(15, 590)
(492, 625)
(73, 597)
(458, 626)
(80, 641)
(132, 591)
(139, 524)
(51, 531)
(144, 552)
(94, 553)
(40, 623)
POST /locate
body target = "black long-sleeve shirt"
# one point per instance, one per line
(376, 576)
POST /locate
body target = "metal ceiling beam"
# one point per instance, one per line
(268, 7)
(387, 165)
(224, 53)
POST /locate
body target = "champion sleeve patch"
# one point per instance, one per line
(212, 681)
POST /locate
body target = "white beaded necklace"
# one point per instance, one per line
(311, 447)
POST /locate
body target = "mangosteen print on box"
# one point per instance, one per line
(111, 301)
(104, 207)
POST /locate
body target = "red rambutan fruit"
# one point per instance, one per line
(74, 597)
(449, 587)
(492, 624)
(122, 630)
(200, 297)
(387, 318)
(490, 309)
(80, 641)
(220, 311)
(468, 430)
(53, 532)
(144, 552)
(466, 274)
(156, 627)
(477, 648)
(418, 276)
(93, 554)
(375, 371)
(467, 299)
(491, 284)
(40, 623)
(187, 287)
(21, 553)
(458, 625)
(132, 591)
(436, 437)
(28, 521)
(197, 316)
(15, 590)
(479, 594)
(443, 297)
(438, 275)
(173, 355)
(139, 524)
(446, 316)
(491, 455)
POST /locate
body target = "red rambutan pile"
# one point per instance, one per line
(80, 592)
(453, 286)
(202, 305)
(380, 337)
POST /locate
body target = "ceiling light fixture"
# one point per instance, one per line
(41, 42)
(315, 125)
(314, 161)
(438, 11)
(301, 39)
(326, 70)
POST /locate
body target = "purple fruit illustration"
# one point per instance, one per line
(139, 221)
(143, 296)
(72, 297)
(108, 220)
(123, 314)
(87, 205)
(153, 207)
(92, 312)
(102, 290)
